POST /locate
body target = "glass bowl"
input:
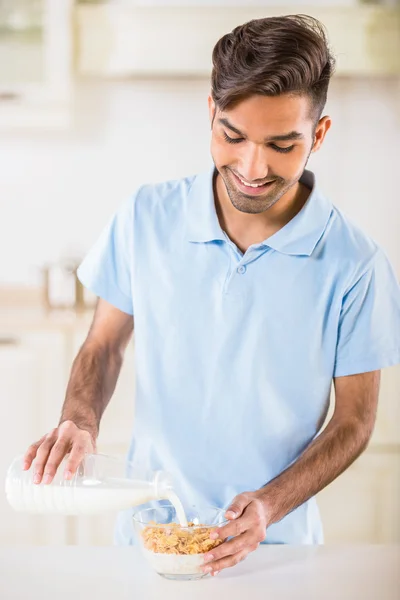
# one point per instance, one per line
(173, 551)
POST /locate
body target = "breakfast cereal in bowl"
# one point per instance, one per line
(173, 550)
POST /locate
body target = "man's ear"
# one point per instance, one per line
(211, 110)
(321, 130)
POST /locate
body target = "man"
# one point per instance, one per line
(249, 293)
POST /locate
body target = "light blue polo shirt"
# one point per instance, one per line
(235, 354)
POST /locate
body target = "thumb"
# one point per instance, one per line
(237, 506)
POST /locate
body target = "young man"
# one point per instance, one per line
(250, 292)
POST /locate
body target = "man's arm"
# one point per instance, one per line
(342, 441)
(93, 378)
(96, 368)
(333, 451)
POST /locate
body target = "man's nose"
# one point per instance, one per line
(253, 167)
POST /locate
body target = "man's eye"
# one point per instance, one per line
(283, 150)
(231, 140)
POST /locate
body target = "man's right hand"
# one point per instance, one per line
(50, 450)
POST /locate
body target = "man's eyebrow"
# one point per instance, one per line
(284, 137)
(229, 125)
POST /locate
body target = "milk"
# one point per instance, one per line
(88, 498)
(177, 504)
(99, 485)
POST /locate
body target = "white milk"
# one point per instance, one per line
(84, 499)
(177, 504)
(93, 499)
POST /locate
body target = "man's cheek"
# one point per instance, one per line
(222, 151)
(219, 154)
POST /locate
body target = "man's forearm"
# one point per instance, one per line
(92, 382)
(324, 460)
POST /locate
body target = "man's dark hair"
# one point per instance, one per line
(270, 57)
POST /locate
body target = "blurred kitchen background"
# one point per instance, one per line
(98, 97)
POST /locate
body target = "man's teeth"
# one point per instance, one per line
(253, 185)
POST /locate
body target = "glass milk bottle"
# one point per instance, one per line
(99, 484)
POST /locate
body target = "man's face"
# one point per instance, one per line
(261, 147)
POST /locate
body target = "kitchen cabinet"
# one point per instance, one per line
(34, 371)
(96, 530)
(32, 381)
(114, 438)
(387, 428)
(124, 39)
(35, 64)
(362, 505)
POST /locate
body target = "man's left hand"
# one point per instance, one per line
(248, 524)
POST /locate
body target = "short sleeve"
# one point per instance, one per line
(107, 268)
(369, 326)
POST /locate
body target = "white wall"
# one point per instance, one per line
(57, 190)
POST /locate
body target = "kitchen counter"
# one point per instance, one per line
(273, 572)
(23, 310)
(36, 318)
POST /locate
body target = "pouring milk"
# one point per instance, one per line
(99, 485)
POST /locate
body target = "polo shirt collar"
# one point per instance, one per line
(298, 237)
(301, 235)
(203, 224)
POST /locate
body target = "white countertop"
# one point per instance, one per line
(270, 573)
(24, 310)
(36, 318)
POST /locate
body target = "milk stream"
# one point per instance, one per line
(85, 499)
(177, 504)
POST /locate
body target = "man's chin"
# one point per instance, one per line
(251, 205)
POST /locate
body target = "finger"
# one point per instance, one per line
(30, 454)
(42, 456)
(237, 506)
(228, 561)
(76, 456)
(57, 453)
(234, 546)
(232, 529)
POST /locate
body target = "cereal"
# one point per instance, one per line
(172, 539)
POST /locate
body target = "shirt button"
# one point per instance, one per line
(241, 270)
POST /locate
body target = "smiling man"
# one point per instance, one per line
(249, 294)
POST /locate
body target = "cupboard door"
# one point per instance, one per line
(31, 385)
(362, 505)
(114, 439)
(387, 427)
(96, 530)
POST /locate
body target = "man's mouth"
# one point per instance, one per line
(251, 189)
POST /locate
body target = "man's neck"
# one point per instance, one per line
(245, 229)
